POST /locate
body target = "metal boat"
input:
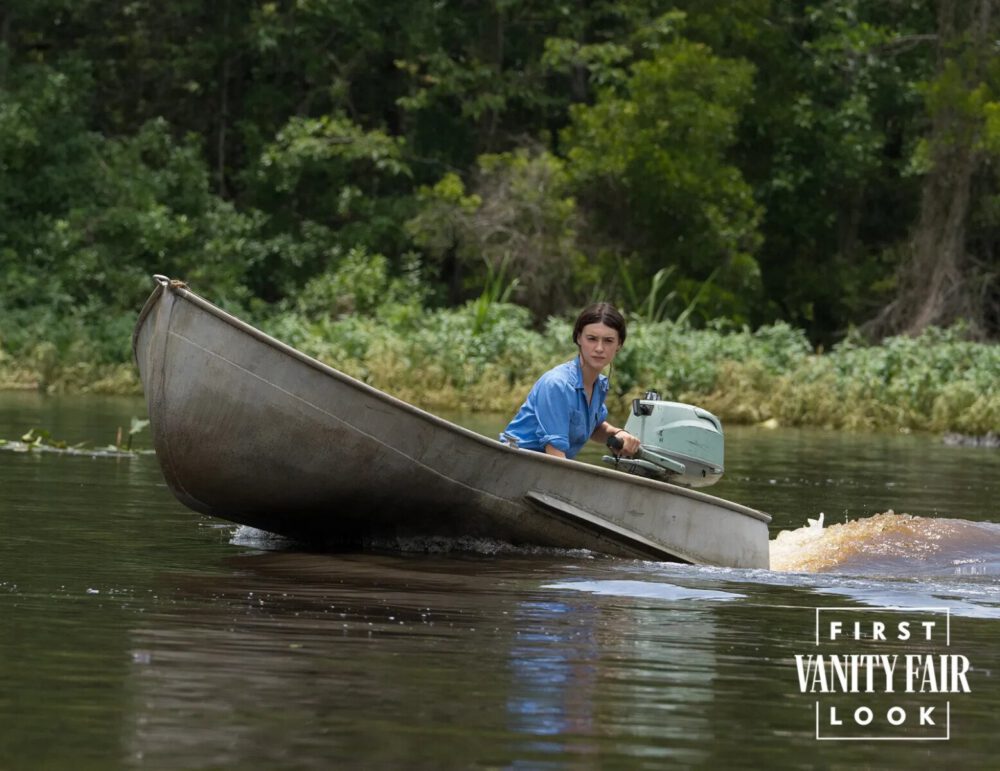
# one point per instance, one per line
(251, 430)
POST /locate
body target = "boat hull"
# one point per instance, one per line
(252, 431)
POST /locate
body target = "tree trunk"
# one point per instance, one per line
(938, 274)
(937, 283)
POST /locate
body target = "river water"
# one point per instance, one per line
(138, 634)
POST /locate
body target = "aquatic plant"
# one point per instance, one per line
(41, 440)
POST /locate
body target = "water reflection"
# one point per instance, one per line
(638, 671)
(311, 657)
(170, 645)
(554, 672)
(350, 649)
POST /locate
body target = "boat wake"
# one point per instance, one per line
(890, 544)
(887, 544)
(244, 535)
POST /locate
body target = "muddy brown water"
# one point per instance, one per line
(137, 634)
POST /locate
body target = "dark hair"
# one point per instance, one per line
(600, 313)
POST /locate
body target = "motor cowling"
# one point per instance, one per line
(681, 443)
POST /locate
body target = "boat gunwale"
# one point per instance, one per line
(574, 466)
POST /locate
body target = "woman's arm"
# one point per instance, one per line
(605, 431)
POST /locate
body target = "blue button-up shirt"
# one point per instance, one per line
(556, 411)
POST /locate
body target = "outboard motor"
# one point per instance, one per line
(681, 443)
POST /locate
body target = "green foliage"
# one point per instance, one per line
(358, 284)
(651, 163)
(605, 63)
(326, 184)
(927, 376)
(520, 218)
(334, 154)
(361, 285)
(129, 208)
(486, 355)
(675, 359)
(826, 141)
(936, 382)
(104, 213)
(443, 226)
(658, 299)
(496, 290)
(336, 169)
(149, 209)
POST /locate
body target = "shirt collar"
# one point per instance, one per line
(602, 380)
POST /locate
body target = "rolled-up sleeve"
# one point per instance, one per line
(553, 400)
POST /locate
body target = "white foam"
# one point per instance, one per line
(245, 535)
(645, 589)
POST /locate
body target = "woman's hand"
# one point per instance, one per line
(631, 443)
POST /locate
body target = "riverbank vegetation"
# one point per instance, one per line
(422, 193)
(484, 356)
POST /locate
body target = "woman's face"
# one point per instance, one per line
(598, 345)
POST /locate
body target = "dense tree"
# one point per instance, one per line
(826, 143)
(651, 163)
(755, 160)
(519, 221)
(951, 271)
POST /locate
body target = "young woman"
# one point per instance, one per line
(566, 406)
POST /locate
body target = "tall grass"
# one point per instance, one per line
(935, 382)
(485, 355)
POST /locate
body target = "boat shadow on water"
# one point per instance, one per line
(887, 559)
